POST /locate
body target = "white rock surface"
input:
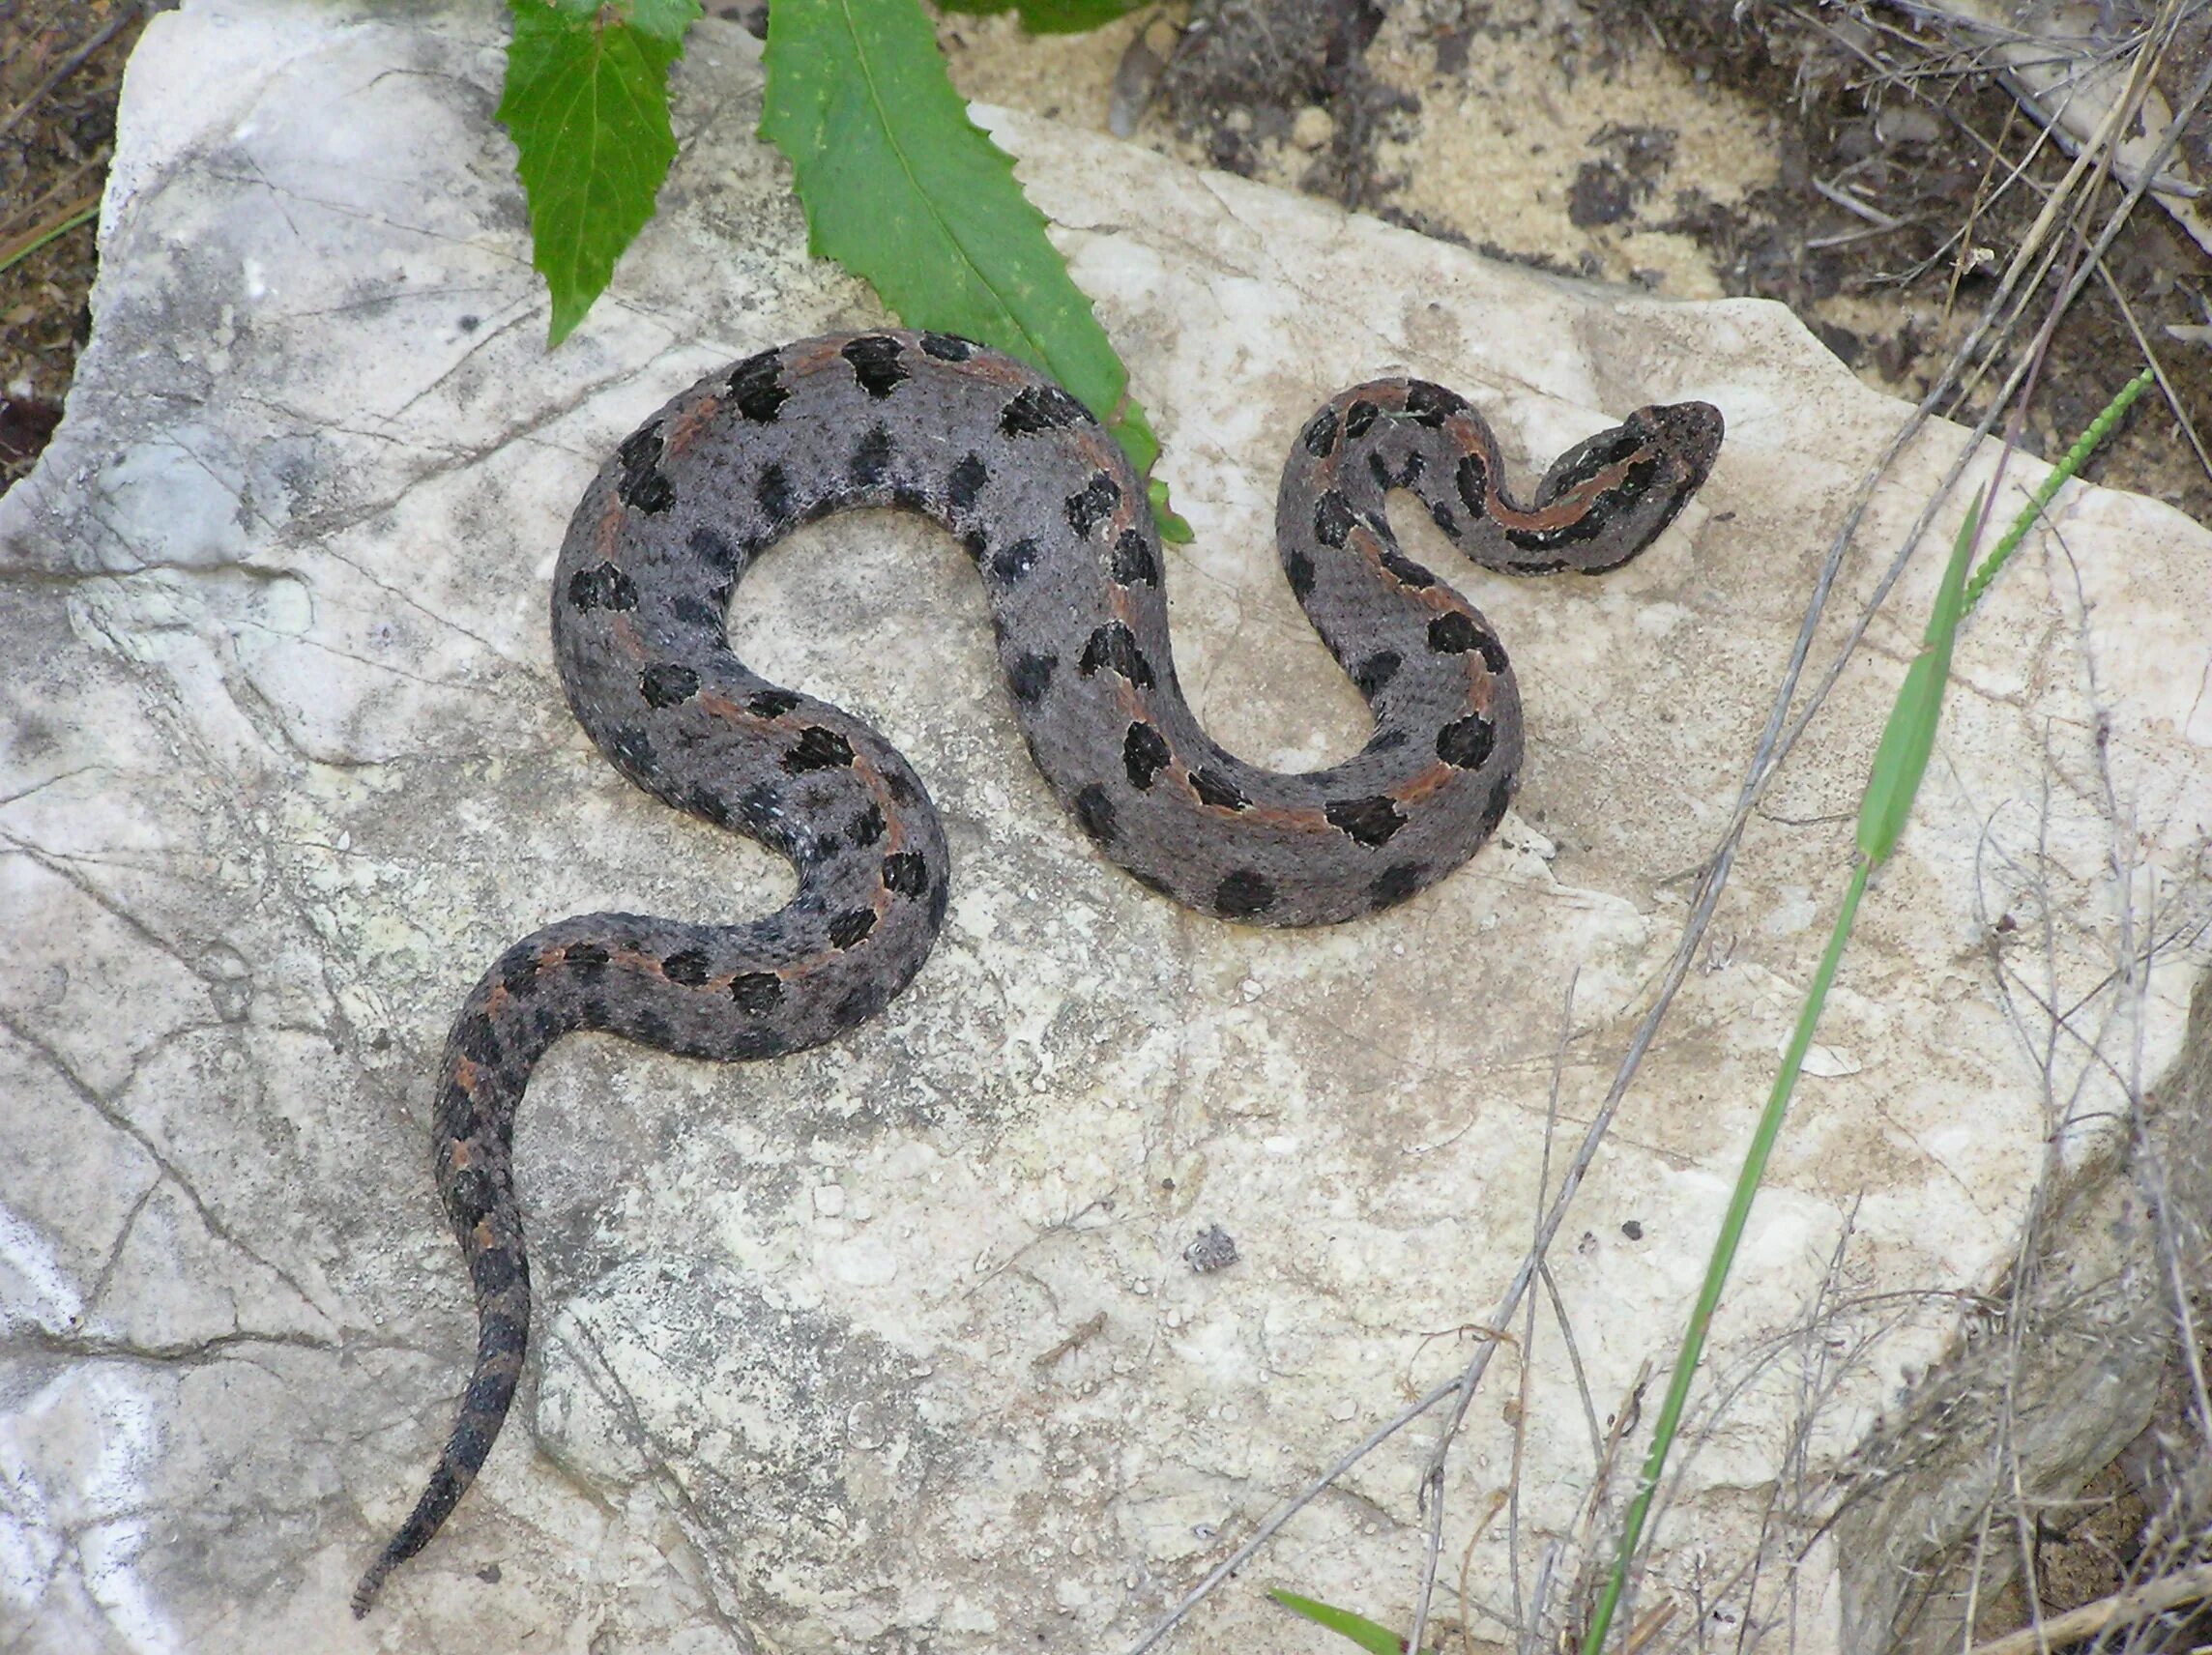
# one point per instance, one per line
(893, 1346)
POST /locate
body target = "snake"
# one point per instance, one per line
(1042, 497)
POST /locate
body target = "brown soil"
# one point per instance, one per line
(1866, 104)
(1687, 148)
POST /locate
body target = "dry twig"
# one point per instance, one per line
(2125, 1608)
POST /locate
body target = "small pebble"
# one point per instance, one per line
(1312, 127)
(1907, 123)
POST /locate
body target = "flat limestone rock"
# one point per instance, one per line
(897, 1345)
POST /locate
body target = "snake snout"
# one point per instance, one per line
(1688, 434)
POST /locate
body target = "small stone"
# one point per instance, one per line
(1313, 129)
(868, 1424)
(1907, 124)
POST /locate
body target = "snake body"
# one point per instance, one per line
(1062, 533)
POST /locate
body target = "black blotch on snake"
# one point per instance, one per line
(668, 683)
(1093, 505)
(876, 364)
(753, 383)
(1243, 894)
(1143, 754)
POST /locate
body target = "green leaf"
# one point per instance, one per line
(1172, 527)
(1050, 17)
(587, 104)
(1910, 736)
(904, 190)
(1379, 1640)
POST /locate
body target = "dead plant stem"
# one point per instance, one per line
(2129, 1608)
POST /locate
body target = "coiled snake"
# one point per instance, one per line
(1061, 531)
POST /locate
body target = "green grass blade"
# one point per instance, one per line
(1910, 736)
(1900, 762)
(1669, 1420)
(54, 232)
(902, 190)
(2075, 457)
(1378, 1640)
(587, 104)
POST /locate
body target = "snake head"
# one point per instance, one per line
(1684, 437)
(1611, 495)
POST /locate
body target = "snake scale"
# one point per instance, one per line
(1059, 530)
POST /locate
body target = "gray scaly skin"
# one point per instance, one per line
(1060, 531)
